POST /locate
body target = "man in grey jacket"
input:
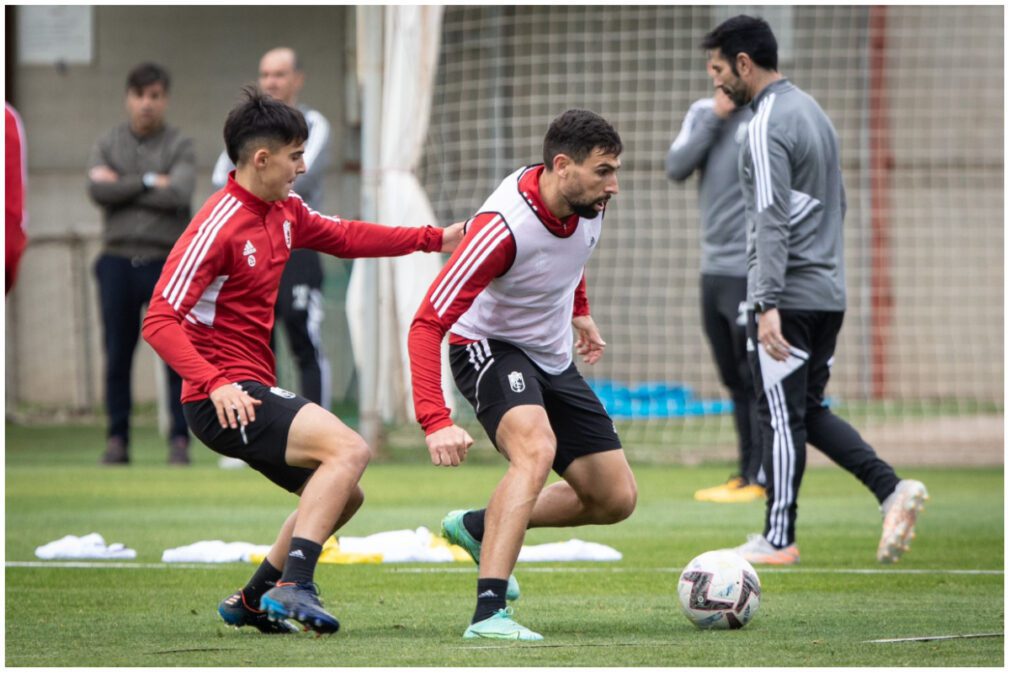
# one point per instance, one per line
(300, 300)
(795, 205)
(141, 173)
(709, 144)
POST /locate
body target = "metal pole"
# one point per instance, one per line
(370, 21)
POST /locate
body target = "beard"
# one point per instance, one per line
(586, 211)
(584, 208)
(738, 95)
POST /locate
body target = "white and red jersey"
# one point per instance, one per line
(518, 276)
(213, 307)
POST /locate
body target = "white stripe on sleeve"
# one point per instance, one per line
(208, 241)
(187, 258)
(488, 249)
(461, 264)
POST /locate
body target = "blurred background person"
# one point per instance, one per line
(709, 144)
(141, 173)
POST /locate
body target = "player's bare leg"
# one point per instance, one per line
(317, 440)
(598, 488)
(525, 437)
(279, 550)
(241, 608)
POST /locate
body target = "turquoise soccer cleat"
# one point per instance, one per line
(456, 533)
(501, 626)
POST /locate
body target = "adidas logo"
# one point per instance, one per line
(297, 553)
(249, 249)
(488, 594)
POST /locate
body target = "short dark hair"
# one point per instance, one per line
(259, 119)
(146, 74)
(577, 133)
(745, 34)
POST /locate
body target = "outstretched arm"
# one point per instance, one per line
(350, 239)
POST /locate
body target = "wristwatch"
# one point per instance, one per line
(762, 306)
(149, 179)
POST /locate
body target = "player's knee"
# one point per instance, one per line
(349, 450)
(619, 505)
(536, 455)
(356, 454)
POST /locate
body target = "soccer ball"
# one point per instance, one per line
(719, 590)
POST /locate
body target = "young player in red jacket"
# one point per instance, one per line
(210, 319)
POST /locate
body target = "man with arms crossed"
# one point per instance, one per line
(210, 318)
(142, 174)
(709, 143)
(792, 184)
(510, 296)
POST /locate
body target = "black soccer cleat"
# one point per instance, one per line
(300, 602)
(236, 612)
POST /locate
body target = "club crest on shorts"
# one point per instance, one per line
(280, 392)
(516, 382)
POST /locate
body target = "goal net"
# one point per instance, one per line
(916, 96)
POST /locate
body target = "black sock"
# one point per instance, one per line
(301, 562)
(474, 524)
(490, 598)
(262, 581)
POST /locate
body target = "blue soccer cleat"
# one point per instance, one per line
(300, 602)
(236, 612)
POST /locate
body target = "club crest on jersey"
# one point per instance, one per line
(741, 132)
(287, 234)
(516, 382)
(590, 238)
(280, 392)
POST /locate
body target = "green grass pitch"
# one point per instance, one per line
(820, 613)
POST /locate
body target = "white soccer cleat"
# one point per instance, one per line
(760, 551)
(901, 509)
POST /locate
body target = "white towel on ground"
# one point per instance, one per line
(90, 546)
(397, 546)
(213, 551)
(572, 550)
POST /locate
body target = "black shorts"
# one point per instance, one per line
(261, 443)
(495, 376)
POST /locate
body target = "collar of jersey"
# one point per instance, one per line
(529, 190)
(777, 86)
(248, 199)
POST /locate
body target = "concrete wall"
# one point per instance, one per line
(52, 333)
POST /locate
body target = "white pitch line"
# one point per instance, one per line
(926, 638)
(836, 571)
(132, 565)
(523, 568)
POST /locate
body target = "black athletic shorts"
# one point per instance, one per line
(495, 376)
(261, 443)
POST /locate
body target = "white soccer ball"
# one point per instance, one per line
(719, 590)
